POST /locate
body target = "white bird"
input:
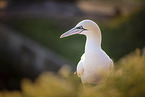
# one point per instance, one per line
(95, 64)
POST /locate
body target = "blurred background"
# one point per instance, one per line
(30, 31)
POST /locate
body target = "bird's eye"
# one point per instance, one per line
(80, 27)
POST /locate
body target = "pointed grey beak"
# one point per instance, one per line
(71, 32)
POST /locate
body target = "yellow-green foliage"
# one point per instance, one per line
(127, 80)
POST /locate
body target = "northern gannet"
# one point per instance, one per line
(95, 64)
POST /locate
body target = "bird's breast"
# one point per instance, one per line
(96, 59)
(96, 66)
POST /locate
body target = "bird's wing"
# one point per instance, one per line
(80, 68)
(111, 65)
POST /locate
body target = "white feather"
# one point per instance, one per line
(95, 65)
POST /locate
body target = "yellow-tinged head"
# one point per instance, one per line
(85, 27)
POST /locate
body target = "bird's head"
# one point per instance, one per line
(84, 27)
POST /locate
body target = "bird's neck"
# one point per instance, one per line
(93, 42)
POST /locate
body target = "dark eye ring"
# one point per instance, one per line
(80, 27)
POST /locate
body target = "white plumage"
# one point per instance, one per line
(95, 64)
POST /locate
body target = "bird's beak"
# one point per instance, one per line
(71, 32)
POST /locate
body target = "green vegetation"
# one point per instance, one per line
(127, 80)
(48, 31)
(120, 35)
(124, 34)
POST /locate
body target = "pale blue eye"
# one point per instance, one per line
(80, 27)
